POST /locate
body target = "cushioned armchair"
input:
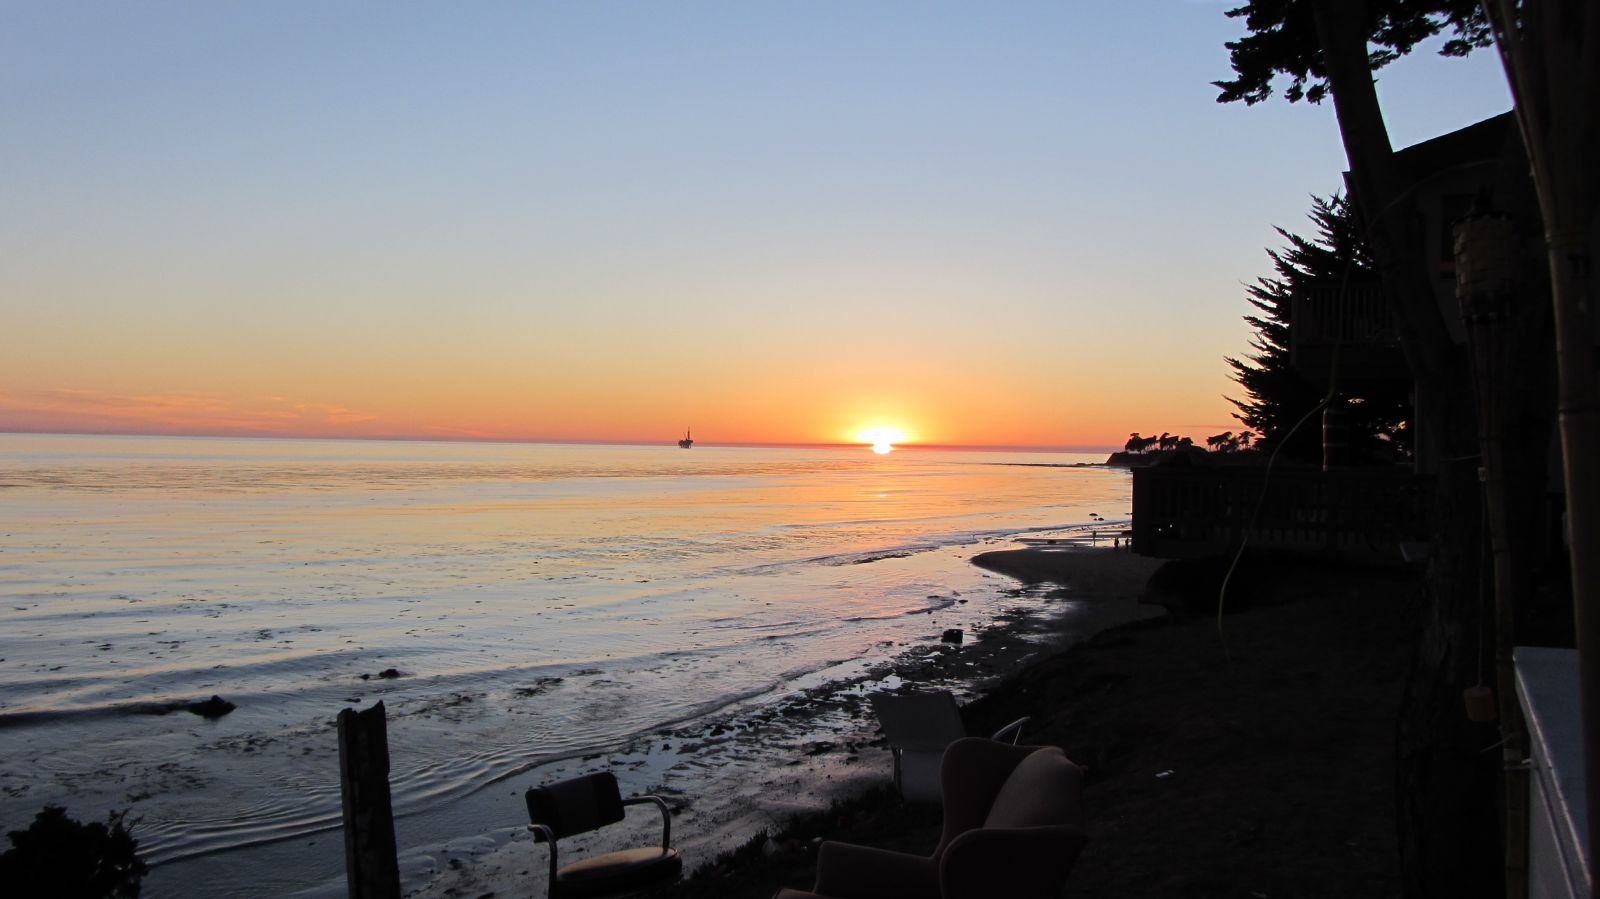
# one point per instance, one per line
(1013, 827)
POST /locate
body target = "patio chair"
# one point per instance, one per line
(919, 726)
(1013, 827)
(582, 804)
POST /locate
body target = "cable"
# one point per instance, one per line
(1333, 382)
(1266, 478)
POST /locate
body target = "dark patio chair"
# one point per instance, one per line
(582, 804)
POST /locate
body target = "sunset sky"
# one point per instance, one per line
(1015, 223)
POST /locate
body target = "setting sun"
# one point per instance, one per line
(882, 439)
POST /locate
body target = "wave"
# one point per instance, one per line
(928, 543)
(942, 602)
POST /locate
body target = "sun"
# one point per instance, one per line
(881, 438)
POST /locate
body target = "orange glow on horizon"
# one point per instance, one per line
(881, 438)
(409, 407)
(494, 399)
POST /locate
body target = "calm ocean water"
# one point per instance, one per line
(538, 603)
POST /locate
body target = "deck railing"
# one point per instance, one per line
(1344, 327)
(1360, 514)
(1333, 313)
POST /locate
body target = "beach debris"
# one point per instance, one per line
(212, 708)
(539, 686)
(952, 635)
(387, 673)
(773, 848)
(215, 707)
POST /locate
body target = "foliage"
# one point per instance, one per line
(1278, 396)
(1283, 41)
(1137, 444)
(59, 857)
(1229, 442)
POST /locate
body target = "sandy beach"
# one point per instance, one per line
(820, 746)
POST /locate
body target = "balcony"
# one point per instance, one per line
(1344, 331)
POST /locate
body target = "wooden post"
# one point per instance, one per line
(371, 863)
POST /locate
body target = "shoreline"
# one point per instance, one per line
(817, 746)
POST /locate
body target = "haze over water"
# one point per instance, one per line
(538, 603)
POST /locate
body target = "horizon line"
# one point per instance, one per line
(735, 444)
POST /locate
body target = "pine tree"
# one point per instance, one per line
(1276, 395)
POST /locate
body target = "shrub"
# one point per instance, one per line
(59, 857)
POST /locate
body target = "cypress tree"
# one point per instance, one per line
(1276, 395)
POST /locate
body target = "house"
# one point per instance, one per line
(1341, 335)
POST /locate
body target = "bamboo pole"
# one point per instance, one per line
(1579, 412)
(1486, 250)
(1550, 50)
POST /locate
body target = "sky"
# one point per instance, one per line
(1023, 224)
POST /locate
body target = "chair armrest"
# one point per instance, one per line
(1016, 862)
(848, 871)
(1012, 730)
(666, 816)
(543, 834)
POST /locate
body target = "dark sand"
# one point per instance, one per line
(1257, 762)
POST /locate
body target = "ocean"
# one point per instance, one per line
(522, 611)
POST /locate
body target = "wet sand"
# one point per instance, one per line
(756, 772)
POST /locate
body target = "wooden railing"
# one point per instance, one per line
(1345, 327)
(1360, 514)
(1333, 313)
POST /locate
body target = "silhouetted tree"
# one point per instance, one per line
(1284, 41)
(1331, 48)
(1276, 395)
